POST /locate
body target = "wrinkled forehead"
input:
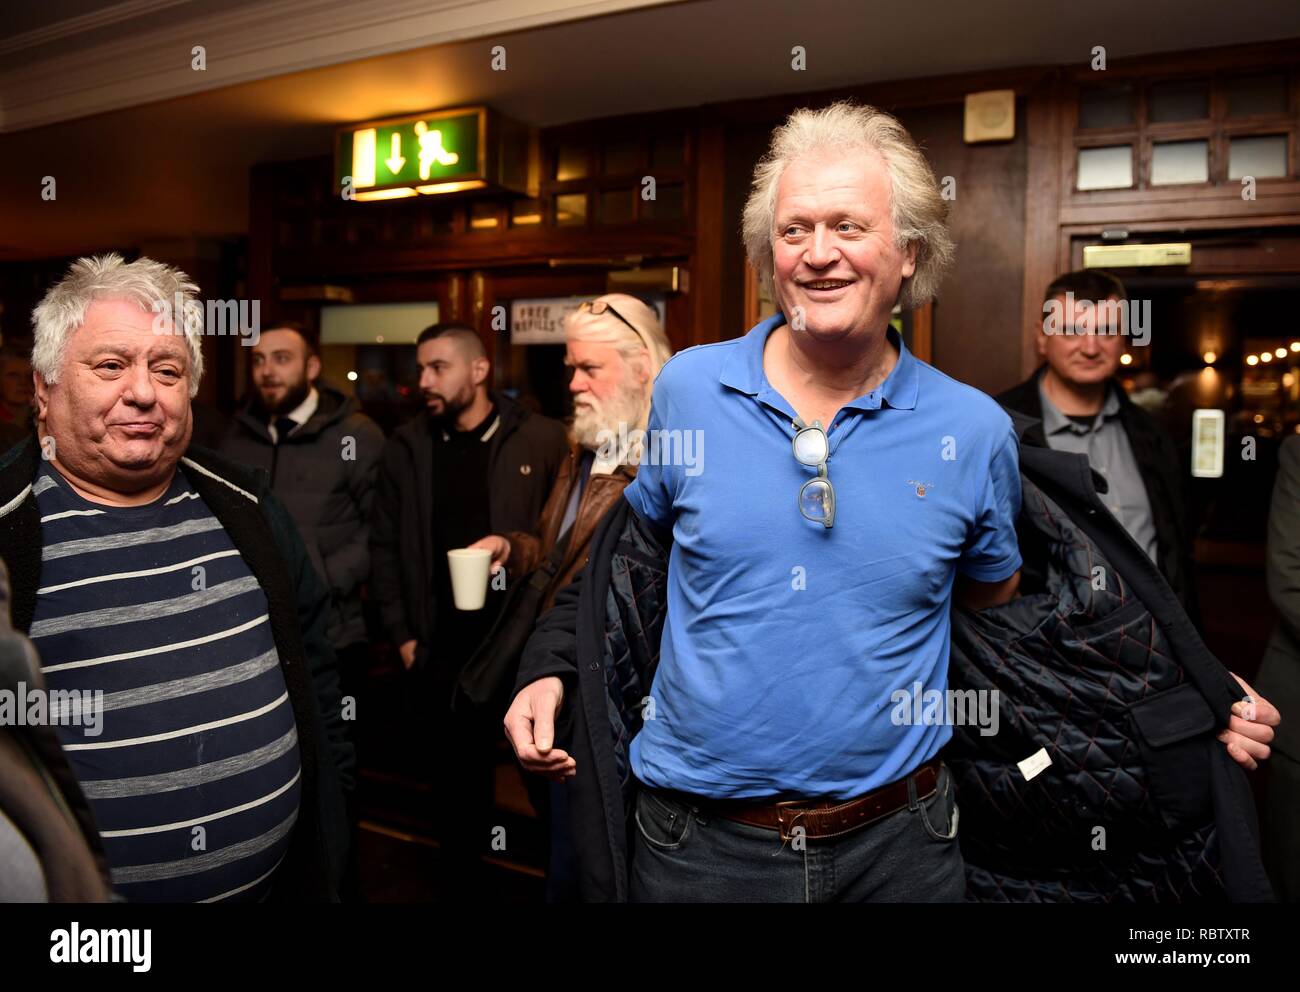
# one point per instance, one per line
(834, 178)
(603, 352)
(125, 329)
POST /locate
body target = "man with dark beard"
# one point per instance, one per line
(322, 454)
(614, 348)
(475, 462)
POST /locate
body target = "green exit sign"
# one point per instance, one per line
(444, 151)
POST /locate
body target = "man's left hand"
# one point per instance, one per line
(1250, 728)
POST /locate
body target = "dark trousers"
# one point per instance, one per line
(462, 791)
(683, 854)
(354, 666)
(1281, 825)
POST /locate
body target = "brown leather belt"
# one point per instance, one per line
(823, 819)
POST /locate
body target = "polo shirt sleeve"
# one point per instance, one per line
(653, 493)
(992, 551)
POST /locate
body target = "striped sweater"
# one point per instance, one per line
(194, 775)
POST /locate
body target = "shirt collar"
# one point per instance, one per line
(1054, 421)
(304, 410)
(483, 431)
(743, 370)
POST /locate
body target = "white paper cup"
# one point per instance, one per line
(469, 576)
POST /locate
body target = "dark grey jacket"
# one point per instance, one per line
(526, 452)
(325, 476)
(1279, 673)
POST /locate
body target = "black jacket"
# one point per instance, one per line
(1162, 475)
(525, 455)
(324, 473)
(1100, 670)
(1279, 672)
(603, 635)
(298, 605)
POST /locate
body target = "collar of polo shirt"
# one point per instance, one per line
(743, 370)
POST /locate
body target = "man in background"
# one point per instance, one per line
(474, 462)
(322, 454)
(1083, 408)
(15, 395)
(614, 348)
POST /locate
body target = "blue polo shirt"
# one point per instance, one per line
(784, 641)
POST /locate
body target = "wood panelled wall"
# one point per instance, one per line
(1012, 217)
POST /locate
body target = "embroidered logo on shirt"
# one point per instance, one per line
(921, 487)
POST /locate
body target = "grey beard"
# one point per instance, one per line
(598, 426)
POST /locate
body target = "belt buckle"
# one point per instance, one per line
(787, 806)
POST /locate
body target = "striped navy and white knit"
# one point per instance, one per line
(194, 780)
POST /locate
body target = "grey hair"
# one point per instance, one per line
(652, 341)
(151, 285)
(919, 212)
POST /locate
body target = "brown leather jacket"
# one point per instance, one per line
(527, 551)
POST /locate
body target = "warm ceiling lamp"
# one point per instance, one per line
(1280, 352)
(383, 194)
(1210, 357)
(433, 189)
(1126, 359)
(1295, 345)
(1252, 359)
(1265, 356)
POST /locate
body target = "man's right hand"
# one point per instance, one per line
(407, 651)
(530, 728)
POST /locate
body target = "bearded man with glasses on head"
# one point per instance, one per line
(850, 491)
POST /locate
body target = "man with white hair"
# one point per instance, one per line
(170, 589)
(850, 491)
(614, 348)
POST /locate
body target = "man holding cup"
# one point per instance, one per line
(474, 462)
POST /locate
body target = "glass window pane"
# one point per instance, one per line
(525, 213)
(615, 206)
(621, 158)
(1252, 95)
(1180, 162)
(570, 209)
(1106, 168)
(1184, 100)
(1263, 158)
(571, 162)
(1106, 106)
(667, 204)
(668, 152)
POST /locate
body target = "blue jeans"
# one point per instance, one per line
(684, 854)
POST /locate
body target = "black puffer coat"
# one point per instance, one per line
(1100, 670)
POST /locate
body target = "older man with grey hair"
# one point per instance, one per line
(175, 584)
(850, 491)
